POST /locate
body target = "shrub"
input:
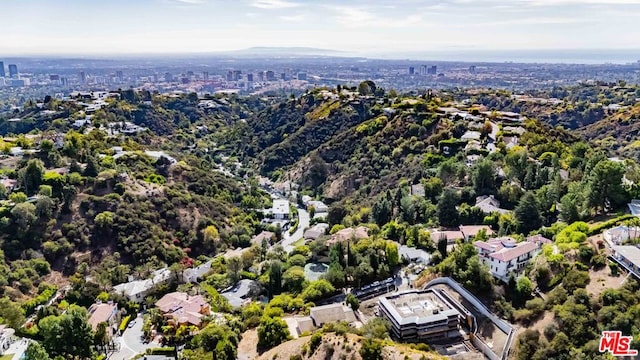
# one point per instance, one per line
(124, 323)
(315, 341)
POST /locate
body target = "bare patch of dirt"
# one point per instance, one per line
(342, 347)
(247, 346)
(602, 279)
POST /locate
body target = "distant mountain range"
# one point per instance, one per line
(286, 51)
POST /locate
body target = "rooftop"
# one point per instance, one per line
(506, 248)
(417, 306)
(100, 312)
(183, 307)
(629, 252)
(281, 206)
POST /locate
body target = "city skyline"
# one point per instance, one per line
(361, 28)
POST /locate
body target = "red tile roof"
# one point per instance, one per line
(100, 313)
(508, 254)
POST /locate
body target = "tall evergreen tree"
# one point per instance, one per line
(527, 214)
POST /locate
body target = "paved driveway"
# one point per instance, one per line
(131, 342)
(303, 223)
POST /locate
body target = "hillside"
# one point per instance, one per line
(99, 196)
(347, 346)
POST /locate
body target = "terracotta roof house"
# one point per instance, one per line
(316, 231)
(360, 232)
(184, 309)
(506, 257)
(268, 235)
(104, 312)
(470, 231)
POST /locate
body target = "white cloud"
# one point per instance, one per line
(190, 2)
(293, 18)
(358, 17)
(274, 4)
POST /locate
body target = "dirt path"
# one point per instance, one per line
(247, 345)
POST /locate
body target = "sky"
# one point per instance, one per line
(32, 27)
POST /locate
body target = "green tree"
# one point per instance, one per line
(604, 185)
(272, 332)
(294, 279)
(352, 301)
(382, 211)
(527, 214)
(317, 289)
(447, 212)
(524, 287)
(24, 215)
(68, 335)
(35, 351)
(371, 350)
(225, 350)
(393, 257)
(275, 278)
(483, 176)
(32, 176)
(211, 235)
(11, 313)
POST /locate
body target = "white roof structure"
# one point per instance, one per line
(280, 206)
(134, 288)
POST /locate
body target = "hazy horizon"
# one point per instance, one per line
(362, 28)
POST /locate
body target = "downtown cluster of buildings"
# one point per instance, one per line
(11, 76)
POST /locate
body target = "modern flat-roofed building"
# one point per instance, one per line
(629, 257)
(280, 209)
(420, 315)
(331, 313)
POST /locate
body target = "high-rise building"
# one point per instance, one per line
(237, 74)
(261, 76)
(472, 69)
(13, 70)
(2, 73)
(423, 70)
(83, 77)
(432, 70)
(283, 76)
(412, 70)
(120, 75)
(205, 75)
(250, 77)
(168, 77)
(271, 76)
(302, 76)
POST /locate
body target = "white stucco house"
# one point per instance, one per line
(506, 257)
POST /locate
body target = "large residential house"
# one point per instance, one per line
(421, 315)
(634, 207)
(471, 231)
(183, 309)
(489, 204)
(280, 209)
(6, 338)
(194, 275)
(506, 257)
(358, 233)
(629, 257)
(331, 313)
(107, 313)
(265, 235)
(316, 231)
(137, 290)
